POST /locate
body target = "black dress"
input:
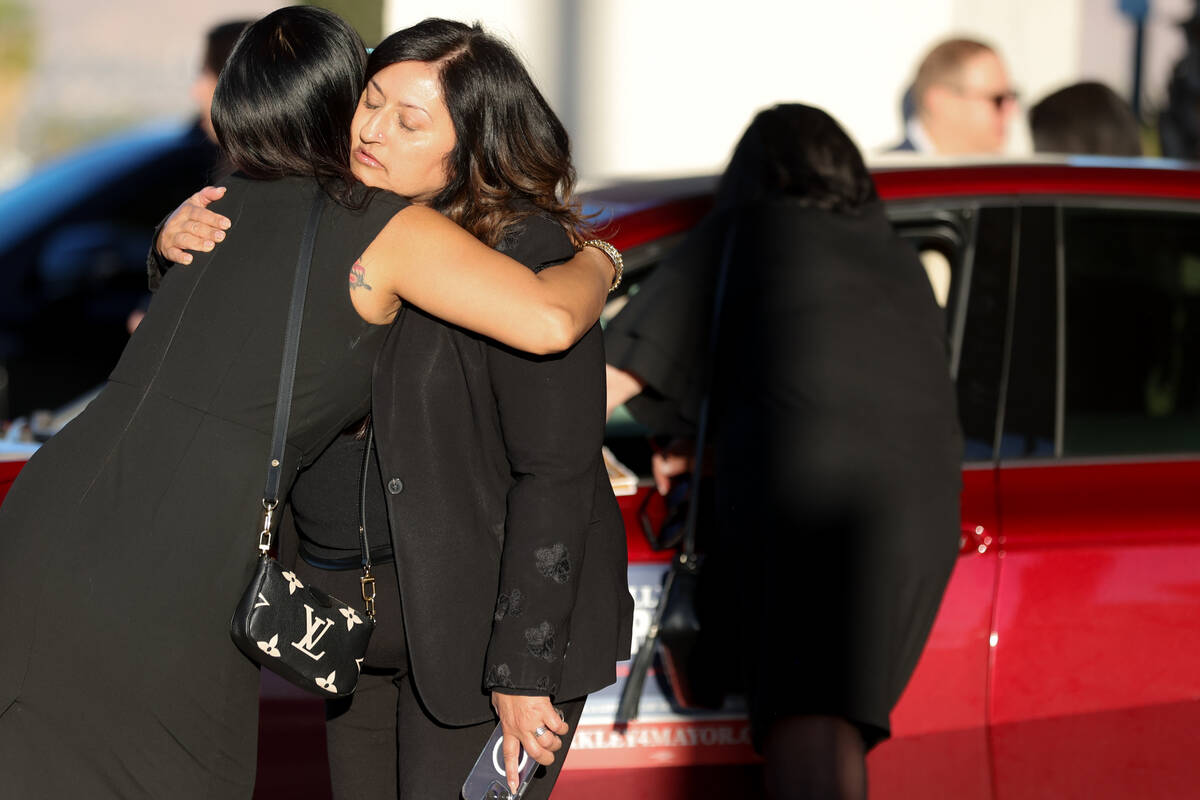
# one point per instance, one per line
(837, 450)
(127, 540)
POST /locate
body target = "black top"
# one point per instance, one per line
(325, 506)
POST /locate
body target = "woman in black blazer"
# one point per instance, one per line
(509, 591)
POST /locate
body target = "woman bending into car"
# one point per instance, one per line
(488, 490)
(126, 541)
(837, 450)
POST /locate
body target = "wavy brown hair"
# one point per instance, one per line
(511, 156)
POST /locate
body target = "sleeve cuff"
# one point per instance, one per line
(156, 264)
(518, 692)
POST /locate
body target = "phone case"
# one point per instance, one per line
(487, 781)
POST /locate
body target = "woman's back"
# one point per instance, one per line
(127, 685)
(213, 339)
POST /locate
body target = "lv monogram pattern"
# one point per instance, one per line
(314, 640)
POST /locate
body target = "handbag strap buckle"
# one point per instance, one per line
(368, 592)
(264, 538)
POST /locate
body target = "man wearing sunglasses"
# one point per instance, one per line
(963, 101)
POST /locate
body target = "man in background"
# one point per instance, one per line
(218, 45)
(962, 99)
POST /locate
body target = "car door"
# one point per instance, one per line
(939, 742)
(1094, 684)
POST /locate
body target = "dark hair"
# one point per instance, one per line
(800, 152)
(286, 97)
(511, 156)
(219, 42)
(1087, 118)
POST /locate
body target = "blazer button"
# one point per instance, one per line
(395, 486)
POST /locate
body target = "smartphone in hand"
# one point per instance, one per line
(487, 779)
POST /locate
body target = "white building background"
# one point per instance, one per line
(666, 86)
(644, 86)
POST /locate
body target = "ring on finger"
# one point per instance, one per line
(539, 731)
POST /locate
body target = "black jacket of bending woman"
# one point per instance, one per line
(509, 544)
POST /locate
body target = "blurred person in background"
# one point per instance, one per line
(1085, 118)
(837, 450)
(963, 99)
(218, 44)
(1179, 122)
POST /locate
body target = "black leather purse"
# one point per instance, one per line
(312, 639)
(676, 628)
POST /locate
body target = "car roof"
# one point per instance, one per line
(641, 210)
(1073, 175)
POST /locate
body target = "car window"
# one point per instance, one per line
(1132, 340)
(940, 239)
(1029, 389)
(967, 253)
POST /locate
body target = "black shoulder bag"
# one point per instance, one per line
(299, 632)
(675, 626)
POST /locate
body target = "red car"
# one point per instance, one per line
(1063, 661)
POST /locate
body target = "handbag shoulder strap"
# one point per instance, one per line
(687, 547)
(368, 580)
(687, 560)
(287, 372)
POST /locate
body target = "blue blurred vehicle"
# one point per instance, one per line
(73, 243)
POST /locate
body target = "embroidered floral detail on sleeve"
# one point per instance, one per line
(509, 605)
(540, 641)
(544, 684)
(554, 562)
(499, 675)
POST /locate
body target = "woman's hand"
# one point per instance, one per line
(521, 716)
(193, 227)
(672, 461)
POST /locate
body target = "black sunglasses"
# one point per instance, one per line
(998, 100)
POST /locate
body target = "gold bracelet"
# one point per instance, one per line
(614, 255)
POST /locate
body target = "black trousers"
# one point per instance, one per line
(382, 744)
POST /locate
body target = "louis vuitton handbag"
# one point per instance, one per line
(312, 639)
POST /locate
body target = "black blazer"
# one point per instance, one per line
(510, 548)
